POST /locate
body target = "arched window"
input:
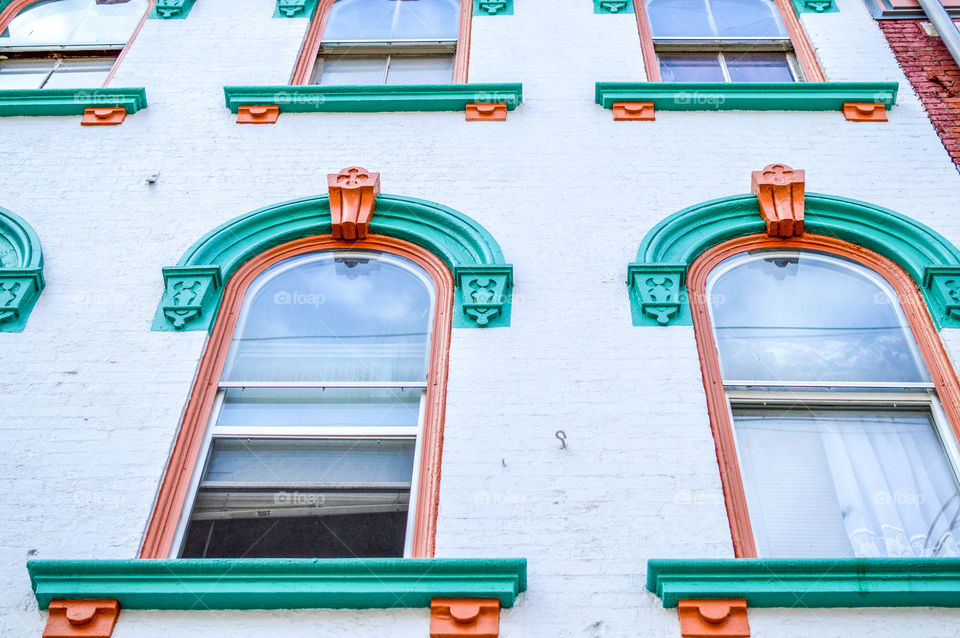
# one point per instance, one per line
(831, 400)
(323, 378)
(725, 41)
(65, 43)
(364, 42)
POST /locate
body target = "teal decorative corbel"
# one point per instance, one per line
(658, 294)
(21, 271)
(295, 8)
(613, 6)
(493, 7)
(815, 6)
(194, 287)
(172, 9)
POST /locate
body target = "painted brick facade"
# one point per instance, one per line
(934, 75)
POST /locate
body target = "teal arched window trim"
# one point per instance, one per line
(193, 288)
(657, 280)
(21, 271)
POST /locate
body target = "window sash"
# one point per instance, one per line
(719, 51)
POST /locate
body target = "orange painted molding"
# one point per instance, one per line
(104, 116)
(81, 618)
(865, 112)
(171, 498)
(650, 62)
(260, 114)
(311, 43)
(914, 308)
(779, 190)
(487, 112)
(709, 618)
(353, 197)
(633, 111)
(457, 617)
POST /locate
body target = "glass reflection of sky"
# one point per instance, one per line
(335, 316)
(715, 19)
(392, 20)
(801, 316)
(74, 22)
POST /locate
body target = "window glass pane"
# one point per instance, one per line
(74, 22)
(420, 69)
(753, 18)
(802, 316)
(253, 407)
(715, 19)
(24, 74)
(311, 462)
(335, 316)
(393, 20)
(758, 67)
(80, 73)
(350, 69)
(828, 482)
(690, 67)
(302, 498)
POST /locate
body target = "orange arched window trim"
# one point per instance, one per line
(158, 541)
(801, 44)
(911, 301)
(14, 8)
(311, 43)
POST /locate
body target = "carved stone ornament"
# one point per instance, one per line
(659, 289)
(944, 283)
(458, 617)
(189, 292)
(779, 190)
(353, 196)
(292, 8)
(81, 618)
(18, 292)
(613, 6)
(171, 8)
(709, 618)
(818, 6)
(492, 7)
(484, 291)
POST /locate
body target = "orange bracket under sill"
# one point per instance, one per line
(488, 112)
(262, 114)
(459, 617)
(865, 112)
(104, 116)
(81, 618)
(633, 111)
(726, 618)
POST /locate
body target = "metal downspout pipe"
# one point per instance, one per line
(944, 25)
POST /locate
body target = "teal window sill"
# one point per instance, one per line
(373, 99)
(746, 96)
(847, 582)
(36, 102)
(277, 583)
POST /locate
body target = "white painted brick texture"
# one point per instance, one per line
(92, 398)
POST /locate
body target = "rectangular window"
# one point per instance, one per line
(387, 65)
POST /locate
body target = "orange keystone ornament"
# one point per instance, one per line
(266, 114)
(81, 618)
(633, 111)
(353, 195)
(491, 112)
(865, 111)
(458, 617)
(726, 618)
(108, 116)
(779, 190)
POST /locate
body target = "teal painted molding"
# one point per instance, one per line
(35, 102)
(278, 583)
(295, 8)
(815, 6)
(746, 96)
(21, 271)
(373, 99)
(194, 287)
(613, 6)
(835, 582)
(657, 281)
(493, 7)
(172, 9)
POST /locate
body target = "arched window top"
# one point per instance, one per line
(800, 316)
(715, 18)
(74, 23)
(391, 20)
(355, 316)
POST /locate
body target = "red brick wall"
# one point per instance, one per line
(933, 74)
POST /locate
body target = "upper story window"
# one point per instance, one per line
(364, 42)
(721, 41)
(66, 43)
(843, 447)
(314, 441)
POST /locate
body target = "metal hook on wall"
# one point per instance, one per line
(560, 434)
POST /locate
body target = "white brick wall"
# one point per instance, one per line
(92, 398)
